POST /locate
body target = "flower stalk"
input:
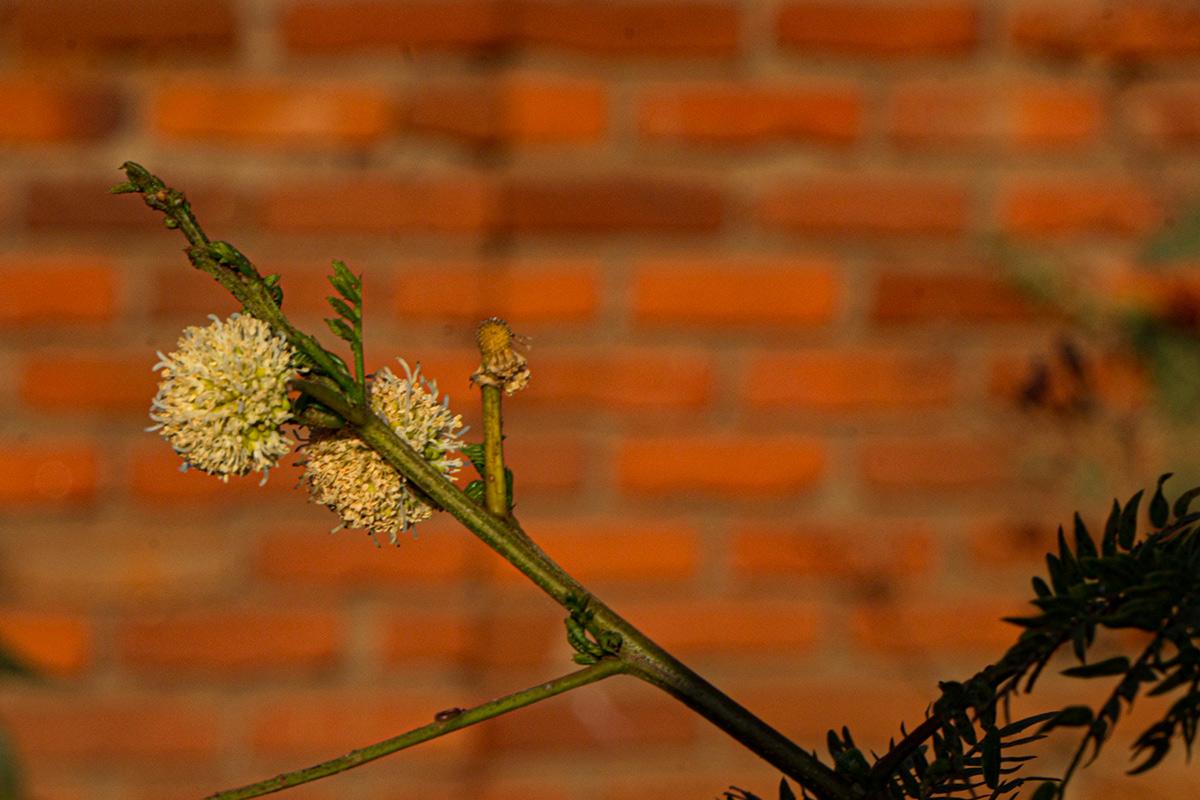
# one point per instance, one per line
(495, 481)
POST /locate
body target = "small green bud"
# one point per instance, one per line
(170, 223)
(123, 188)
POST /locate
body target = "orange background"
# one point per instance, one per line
(772, 412)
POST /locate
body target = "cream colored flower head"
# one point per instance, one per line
(224, 395)
(344, 473)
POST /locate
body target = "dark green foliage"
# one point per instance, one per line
(785, 792)
(1178, 242)
(348, 324)
(589, 645)
(11, 785)
(1151, 583)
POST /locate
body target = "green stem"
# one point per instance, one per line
(645, 657)
(642, 656)
(360, 372)
(495, 480)
(440, 727)
(252, 294)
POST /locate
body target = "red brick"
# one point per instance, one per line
(344, 559)
(232, 642)
(57, 643)
(938, 464)
(57, 289)
(71, 204)
(1126, 31)
(320, 726)
(317, 27)
(646, 27)
(641, 722)
(527, 110)
(737, 114)
(1165, 115)
(849, 381)
(100, 381)
(931, 627)
(549, 463)
(620, 28)
(903, 297)
(142, 729)
(125, 564)
(749, 465)
(647, 550)
(697, 781)
(707, 291)
(155, 476)
(857, 206)
(526, 293)
(36, 473)
(612, 205)
(621, 381)
(938, 114)
(879, 30)
(1020, 543)
(1049, 117)
(905, 550)
(321, 115)
(179, 291)
(427, 636)
(807, 707)
(1063, 207)
(382, 206)
(544, 786)
(531, 638)
(145, 27)
(48, 111)
(730, 627)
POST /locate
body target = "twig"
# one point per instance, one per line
(447, 721)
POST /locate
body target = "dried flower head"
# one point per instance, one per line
(224, 395)
(344, 473)
(502, 365)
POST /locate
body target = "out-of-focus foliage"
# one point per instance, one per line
(1119, 580)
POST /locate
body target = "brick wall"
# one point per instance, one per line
(771, 418)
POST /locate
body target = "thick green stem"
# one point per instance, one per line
(641, 655)
(445, 722)
(495, 481)
(647, 660)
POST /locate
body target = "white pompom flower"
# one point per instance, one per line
(344, 473)
(224, 395)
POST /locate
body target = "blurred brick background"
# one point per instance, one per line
(771, 417)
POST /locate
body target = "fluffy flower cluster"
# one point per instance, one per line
(344, 473)
(224, 395)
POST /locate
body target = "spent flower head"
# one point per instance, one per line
(344, 473)
(501, 365)
(224, 395)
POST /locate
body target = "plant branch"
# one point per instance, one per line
(646, 658)
(640, 655)
(251, 293)
(446, 722)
